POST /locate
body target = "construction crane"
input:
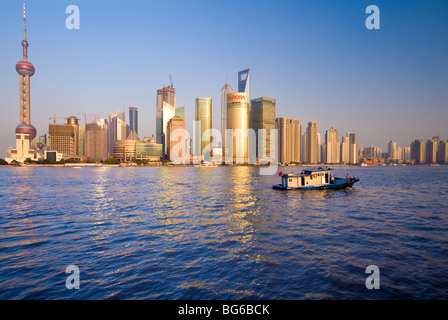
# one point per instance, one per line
(85, 115)
(171, 80)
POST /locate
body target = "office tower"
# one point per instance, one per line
(319, 148)
(180, 112)
(244, 83)
(289, 140)
(303, 148)
(164, 95)
(96, 140)
(64, 138)
(203, 135)
(262, 116)
(176, 139)
(432, 147)
(168, 111)
(311, 143)
(443, 152)
(237, 148)
(332, 146)
(25, 131)
(353, 153)
(118, 130)
(224, 92)
(133, 119)
(418, 152)
(345, 150)
(81, 140)
(392, 150)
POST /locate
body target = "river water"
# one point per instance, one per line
(221, 233)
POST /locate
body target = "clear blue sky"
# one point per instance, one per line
(316, 58)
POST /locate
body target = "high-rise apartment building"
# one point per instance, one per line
(443, 152)
(418, 152)
(392, 150)
(353, 153)
(167, 95)
(203, 135)
(345, 150)
(224, 92)
(237, 139)
(289, 139)
(311, 142)
(262, 121)
(332, 146)
(432, 148)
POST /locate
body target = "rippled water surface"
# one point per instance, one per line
(221, 233)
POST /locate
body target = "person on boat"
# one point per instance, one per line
(348, 177)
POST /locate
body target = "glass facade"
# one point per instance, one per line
(204, 114)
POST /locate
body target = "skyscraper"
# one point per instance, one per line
(167, 95)
(65, 138)
(203, 136)
(332, 145)
(176, 140)
(118, 130)
(345, 150)
(224, 92)
(237, 139)
(443, 152)
(133, 119)
(244, 83)
(262, 117)
(353, 152)
(311, 142)
(168, 111)
(432, 148)
(392, 150)
(25, 131)
(289, 139)
(96, 143)
(418, 152)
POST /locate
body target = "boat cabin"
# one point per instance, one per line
(307, 178)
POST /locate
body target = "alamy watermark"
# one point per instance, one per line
(73, 21)
(373, 280)
(239, 147)
(73, 280)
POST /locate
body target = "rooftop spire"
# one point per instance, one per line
(24, 42)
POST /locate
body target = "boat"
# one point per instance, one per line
(206, 164)
(312, 179)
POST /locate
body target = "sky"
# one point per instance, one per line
(316, 58)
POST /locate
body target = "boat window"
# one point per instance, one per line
(290, 180)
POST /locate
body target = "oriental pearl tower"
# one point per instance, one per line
(25, 131)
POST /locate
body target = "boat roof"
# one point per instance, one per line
(317, 169)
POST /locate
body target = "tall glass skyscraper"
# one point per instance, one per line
(203, 114)
(244, 83)
(262, 116)
(180, 112)
(133, 119)
(237, 150)
(168, 111)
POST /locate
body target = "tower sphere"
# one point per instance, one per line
(27, 129)
(25, 68)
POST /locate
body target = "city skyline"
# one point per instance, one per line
(369, 107)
